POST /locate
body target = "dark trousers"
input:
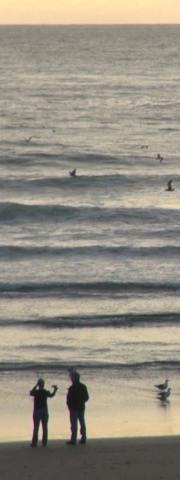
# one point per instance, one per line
(40, 416)
(76, 415)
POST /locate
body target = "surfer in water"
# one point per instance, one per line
(169, 186)
(73, 173)
(159, 157)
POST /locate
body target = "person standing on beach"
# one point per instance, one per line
(40, 413)
(77, 396)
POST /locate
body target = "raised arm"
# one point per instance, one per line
(55, 388)
(33, 391)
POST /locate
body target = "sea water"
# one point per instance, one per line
(89, 271)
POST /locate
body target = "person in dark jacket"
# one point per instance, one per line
(77, 396)
(40, 412)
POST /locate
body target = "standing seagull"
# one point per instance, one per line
(164, 394)
(162, 386)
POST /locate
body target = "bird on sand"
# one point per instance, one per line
(162, 386)
(164, 394)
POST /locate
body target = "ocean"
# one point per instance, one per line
(89, 272)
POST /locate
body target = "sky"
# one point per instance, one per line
(89, 11)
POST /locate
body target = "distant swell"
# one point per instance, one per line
(95, 321)
(13, 252)
(64, 366)
(86, 289)
(26, 213)
(82, 181)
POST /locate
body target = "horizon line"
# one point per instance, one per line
(87, 24)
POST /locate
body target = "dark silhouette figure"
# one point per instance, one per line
(159, 157)
(73, 173)
(40, 413)
(169, 186)
(77, 396)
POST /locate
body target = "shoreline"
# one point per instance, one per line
(53, 443)
(110, 459)
(94, 442)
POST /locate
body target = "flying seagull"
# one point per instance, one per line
(28, 139)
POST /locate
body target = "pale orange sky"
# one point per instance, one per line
(89, 11)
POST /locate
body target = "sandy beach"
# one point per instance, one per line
(137, 458)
